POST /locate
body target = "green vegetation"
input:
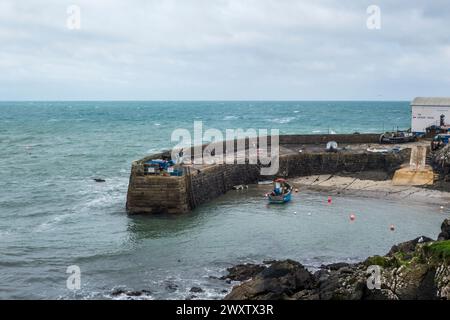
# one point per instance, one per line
(379, 261)
(401, 259)
(440, 250)
(396, 260)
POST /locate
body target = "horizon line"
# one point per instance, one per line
(208, 100)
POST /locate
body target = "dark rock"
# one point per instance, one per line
(118, 292)
(346, 270)
(196, 289)
(306, 295)
(445, 230)
(334, 266)
(243, 272)
(356, 291)
(289, 268)
(411, 280)
(382, 294)
(408, 247)
(347, 283)
(269, 262)
(171, 287)
(130, 293)
(321, 275)
(427, 288)
(328, 286)
(280, 280)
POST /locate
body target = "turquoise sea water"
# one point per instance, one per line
(52, 214)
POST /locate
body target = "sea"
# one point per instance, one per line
(54, 218)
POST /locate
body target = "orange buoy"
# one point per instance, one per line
(392, 227)
(352, 217)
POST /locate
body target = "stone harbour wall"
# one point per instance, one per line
(305, 164)
(149, 194)
(324, 138)
(217, 180)
(156, 194)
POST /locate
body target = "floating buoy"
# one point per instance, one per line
(442, 207)
(266, 195)
(296, 190)
(352, 217)
(392, 227)
(309, 213)
(329, 200)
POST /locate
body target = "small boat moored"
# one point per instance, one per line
(398, 137)
(281, 193)
(377, 150)
(332, 146)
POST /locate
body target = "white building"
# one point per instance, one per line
(428, 111)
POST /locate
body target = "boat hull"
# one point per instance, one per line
(280, 199)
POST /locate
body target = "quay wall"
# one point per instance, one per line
(157, 194)
(324, 138)
(309, 139)
(214, 181)
(304, 164)
(298, 139)
(149, 194)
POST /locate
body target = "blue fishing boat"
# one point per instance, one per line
(281, 193)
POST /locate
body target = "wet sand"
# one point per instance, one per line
(370, 184)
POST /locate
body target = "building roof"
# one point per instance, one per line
(431, 102)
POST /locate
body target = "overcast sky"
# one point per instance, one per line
(224, 50)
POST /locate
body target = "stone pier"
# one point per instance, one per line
(300, 155)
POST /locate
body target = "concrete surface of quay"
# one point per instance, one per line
(299, 156)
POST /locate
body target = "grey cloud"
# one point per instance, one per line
(223, 49)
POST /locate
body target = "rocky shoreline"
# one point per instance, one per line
(414, 270)
(418, 269)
